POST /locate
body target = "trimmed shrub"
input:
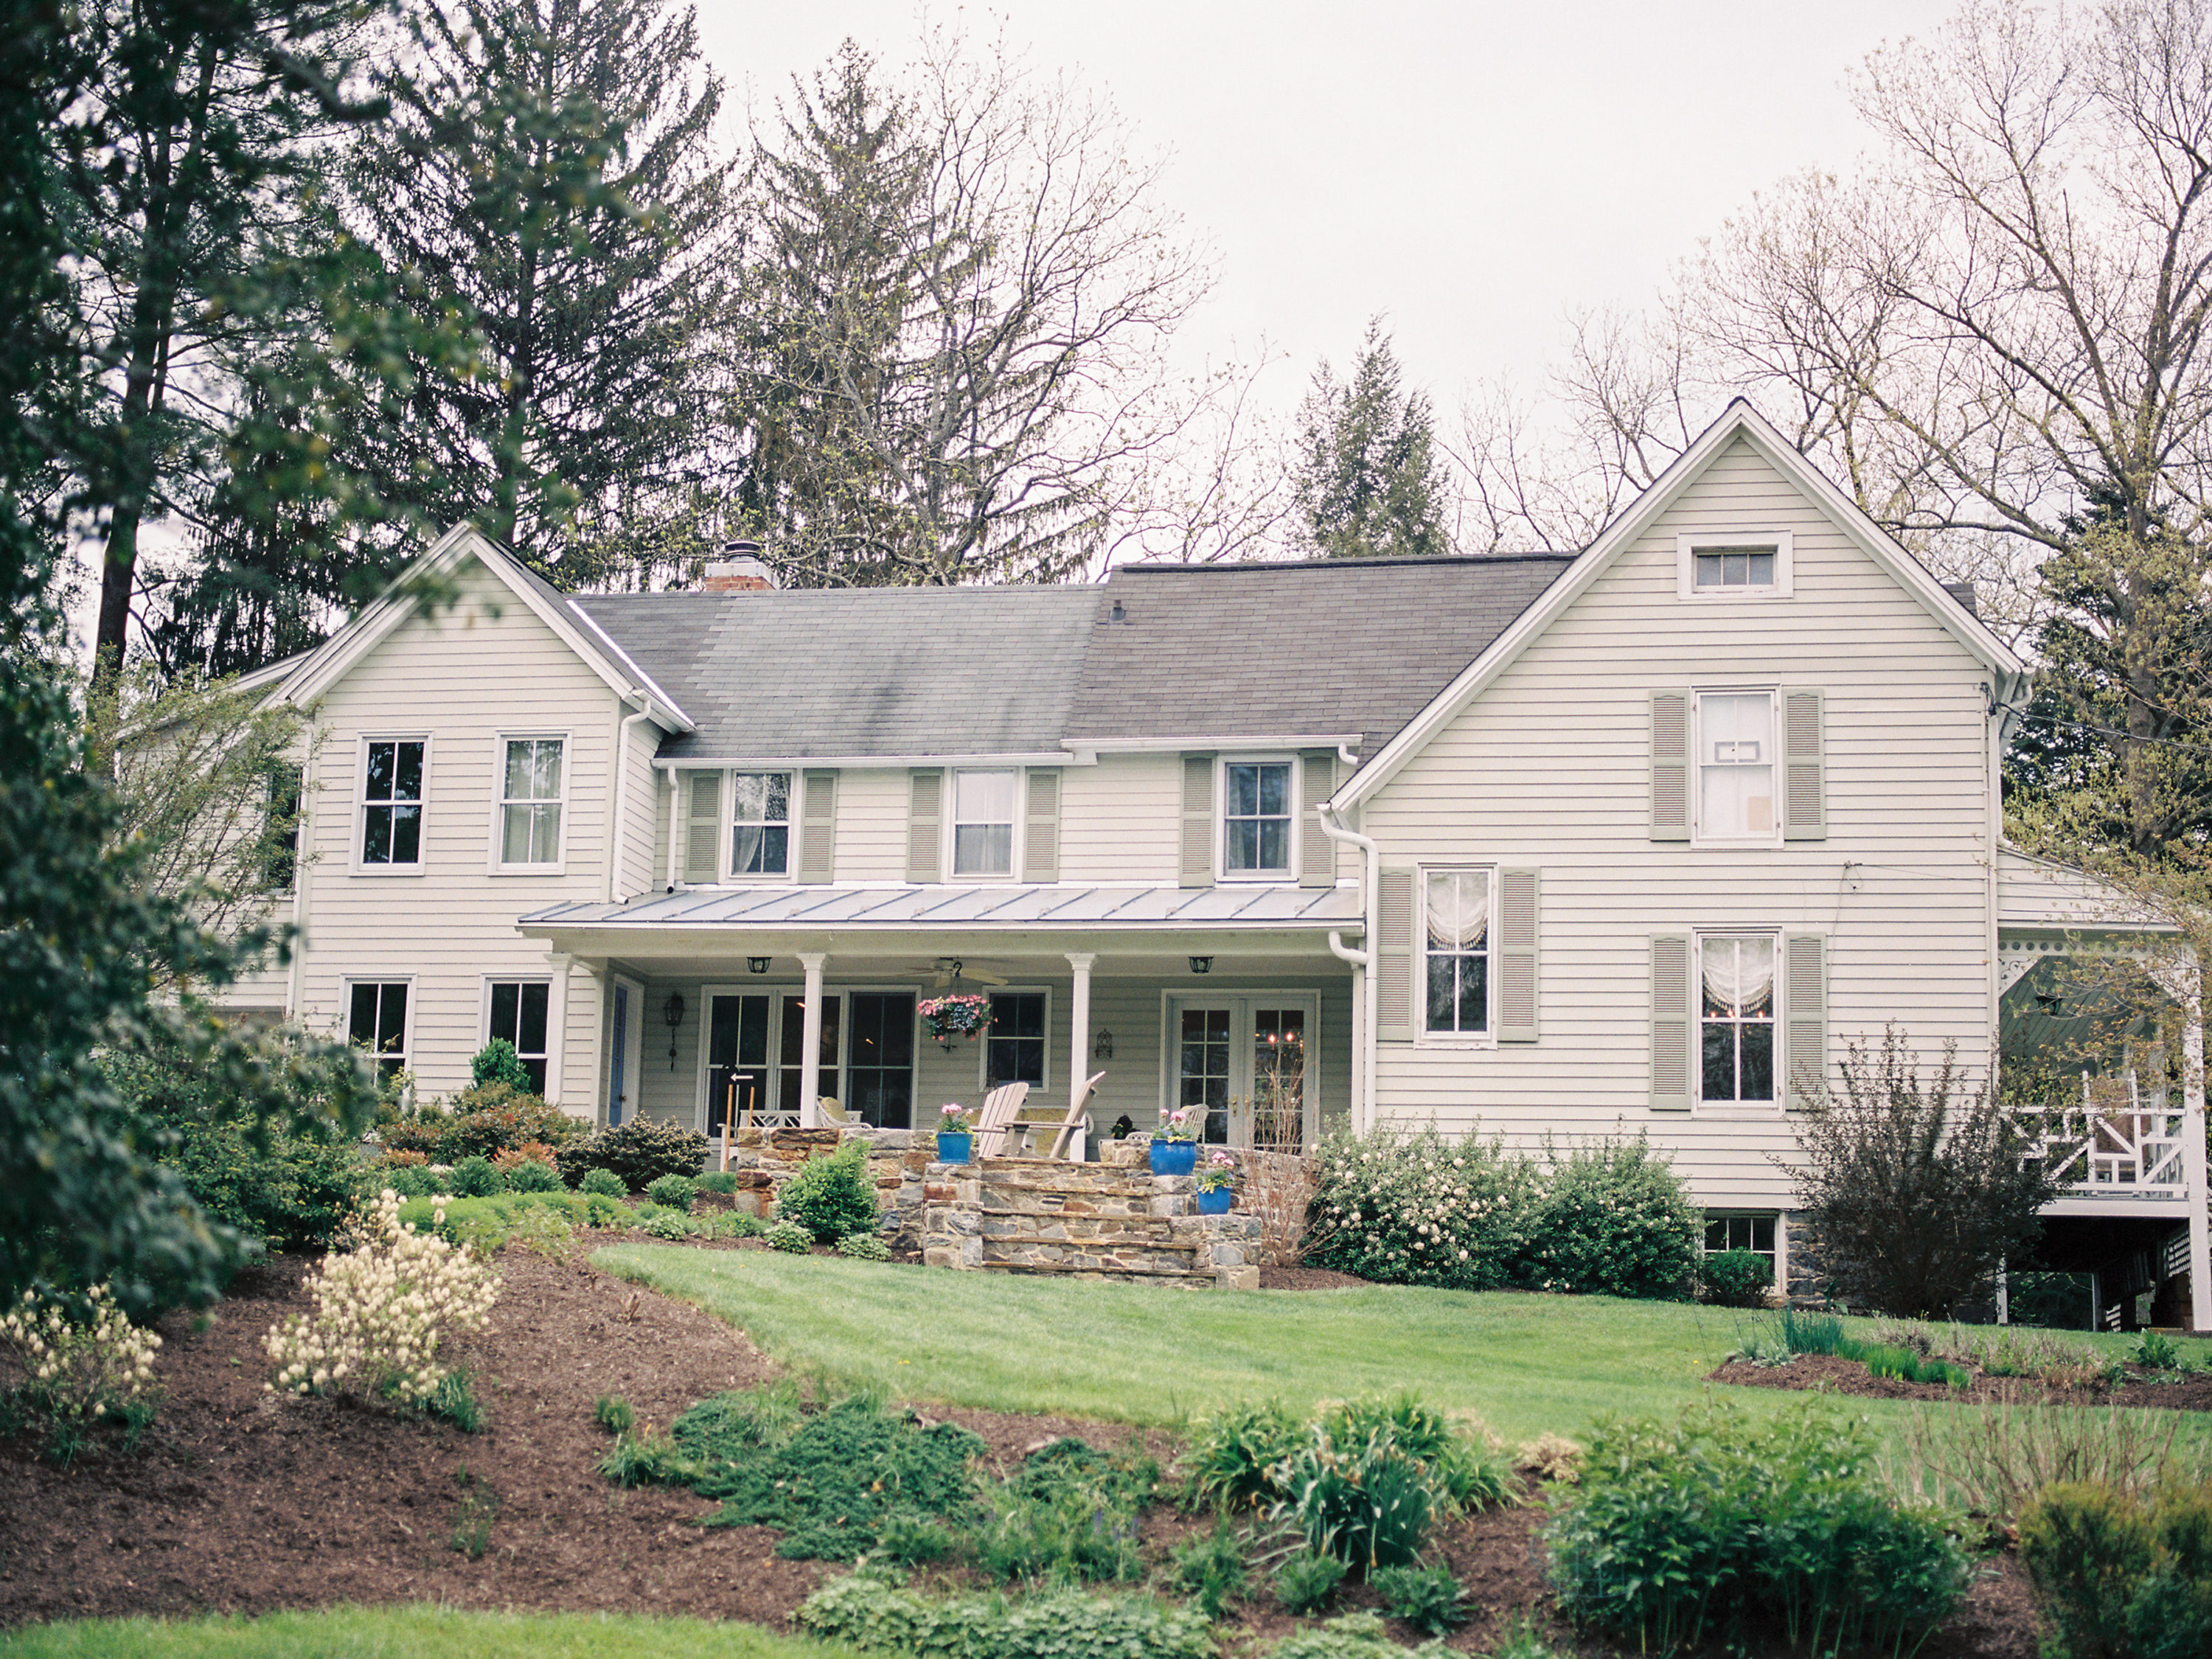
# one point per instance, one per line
(531, 1176)
(483, 1121)
(736, 1224)
(639, 1152)
(2122, 1575)
(1614, 1220)
(864, 1247)
(788, 1236)
(673, 1192)
(497, 1062)
(413, 1181)
(1416, 1209)
(1428, 1598)
(477, 1177)
(831, 1196)
(671, 1224)
(1307, 1584)
(1736, 1279)
(604, 1182)
(1689, 1529)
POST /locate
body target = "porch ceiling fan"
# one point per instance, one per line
(947, 972)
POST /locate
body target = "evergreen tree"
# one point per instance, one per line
(550, 174)
(1367, 479)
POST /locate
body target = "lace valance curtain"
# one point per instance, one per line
(1459, 910)
(1738, 974)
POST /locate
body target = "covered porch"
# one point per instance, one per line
(724, 1009)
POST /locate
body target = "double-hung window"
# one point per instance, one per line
(1735, 767)
(531, 796)
(376, 1019)
(1013, 1043)
(983, 806)
(1735, 1018)
(1455, 908)
(1256, 817)
(760, 833)
(516, 1014)
(392, 803)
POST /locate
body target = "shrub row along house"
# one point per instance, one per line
(1622, 840)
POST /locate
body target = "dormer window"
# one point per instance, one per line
(1732, 567)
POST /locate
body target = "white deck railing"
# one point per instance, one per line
(2114, 1146)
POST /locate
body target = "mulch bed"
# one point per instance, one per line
(1829, 1374)
(241, 1502)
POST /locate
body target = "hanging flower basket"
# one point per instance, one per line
(959, 1015)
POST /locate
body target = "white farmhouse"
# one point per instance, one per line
(1568, 845)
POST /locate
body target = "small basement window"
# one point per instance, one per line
(1754, 1233)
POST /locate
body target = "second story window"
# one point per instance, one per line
(529, 802)
(1256, 817)
(392, 803)
(1736, 766)
(1736, 1019)
(759, 837)
(1456, 911)
(984, 823)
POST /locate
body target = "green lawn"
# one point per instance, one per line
(404, 1633)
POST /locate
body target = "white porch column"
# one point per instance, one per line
(2192, 1156)
(810, 1053)
(1079, 1025)
(557, 1030)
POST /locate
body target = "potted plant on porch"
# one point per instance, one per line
(954, 1141)
(1215, 1190)
(1175, 1143)
(958, 1014)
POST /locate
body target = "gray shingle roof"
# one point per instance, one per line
(1327, 646)
(1330, 644)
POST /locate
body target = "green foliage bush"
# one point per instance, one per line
(1209, 1569)
(909, 1540)
(411, 1180)
(638, 1151)
(489, 1224)
(1363, 1499)
(718, 1181)
(484, 1119)
(477, 1177)
(1403, 1208)
(736, 1224)
(614, 1413)
(1736, 1279)
(1069, 1514)
(1233, 1455)
(1693, 1528)
(788, 1236)
(531, 1176)
(674, 1192)
(1307, 1584)
(669, 1225)
(2121, 1576)
(1428, 1598)
(869, 1613)
(1352, 1635)
(831, 1196)
(604, 1182)
(497, 1062)
(864, 1247)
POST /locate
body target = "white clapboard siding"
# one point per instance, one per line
(871, 815)
(1121, 819)
(1550, 768)
(463, 675)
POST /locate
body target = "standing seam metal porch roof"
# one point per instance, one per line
(1027, 906)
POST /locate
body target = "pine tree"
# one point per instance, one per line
(1367, 479)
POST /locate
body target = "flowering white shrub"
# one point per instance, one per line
(380, 1311)
(78, 1372)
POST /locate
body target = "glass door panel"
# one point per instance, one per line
(1244, 1060)
(736, 1061)
(793, 1047)
(879, 1068)
(1276, 1102)
(1204, 1067)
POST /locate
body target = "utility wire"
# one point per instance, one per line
(2104, 731)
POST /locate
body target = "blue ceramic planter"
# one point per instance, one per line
(1217, 1202)
(1174, 1156)
(954, 1148)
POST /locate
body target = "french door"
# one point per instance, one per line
(756, 1046)
(1246, 1062)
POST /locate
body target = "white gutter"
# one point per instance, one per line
(1092, 748)
(858, 763)
(1362, 960)
(622, 787)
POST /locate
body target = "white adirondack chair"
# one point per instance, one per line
(1078, 1114)
(997, 1118)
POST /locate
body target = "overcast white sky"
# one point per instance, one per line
(1474, 171)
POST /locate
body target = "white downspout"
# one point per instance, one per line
(622, 789)
(1363, 1106)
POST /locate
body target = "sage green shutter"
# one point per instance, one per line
(1804, 786)
(1316, 852)
(925, 827)
(1040, 830)
(1674, 1054)
(1518, 891)
(1395, 954)
(818, 828)
(1805, 1014)
(702, 828)
(1670, 766)
(1197, 844)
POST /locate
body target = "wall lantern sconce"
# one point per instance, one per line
(1103, 1047)
(672, 1012)
(756, 964)
(1201, 964)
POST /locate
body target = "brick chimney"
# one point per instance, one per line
(743, 572)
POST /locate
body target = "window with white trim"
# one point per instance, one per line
(1456, 906)
(1736, 986)
(1735, 762)
(760, 831)
(392, 802)
(1256, 815)
(1732, 567)
(1754, 1233)
(376, 1019)
(1013, 1043)
(983, 808)
(516, 1012)
(532, 789)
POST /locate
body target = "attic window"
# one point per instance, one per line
(1732, 567)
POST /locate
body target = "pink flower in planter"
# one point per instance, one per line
(951, 1118)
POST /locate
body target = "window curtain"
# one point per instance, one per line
(1738, 974)
(1458, 911)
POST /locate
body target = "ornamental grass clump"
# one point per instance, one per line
(380, 1311)
(82, 1363)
